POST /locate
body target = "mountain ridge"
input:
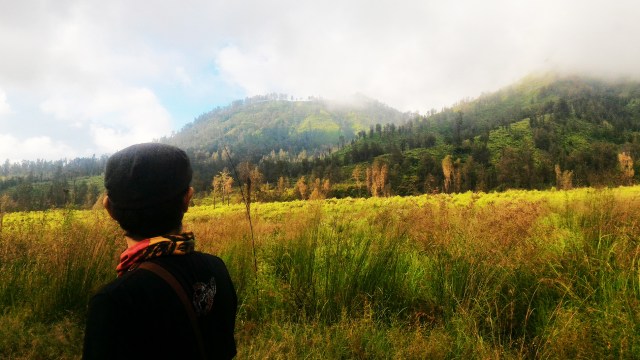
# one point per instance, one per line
(542, 131)
(270, 123)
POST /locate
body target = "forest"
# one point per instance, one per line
(542, 132)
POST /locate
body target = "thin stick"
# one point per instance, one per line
(247, 204)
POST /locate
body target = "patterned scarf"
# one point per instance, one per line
(155, 247)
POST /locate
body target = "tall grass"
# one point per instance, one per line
(331, 272)
(516, 275)
(47, 274)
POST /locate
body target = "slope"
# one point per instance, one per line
(261, 124)
(514, 138)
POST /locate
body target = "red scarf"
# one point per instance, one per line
(155, 247)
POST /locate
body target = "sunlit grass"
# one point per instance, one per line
(520, 274)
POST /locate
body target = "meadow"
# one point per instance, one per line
(511, 275)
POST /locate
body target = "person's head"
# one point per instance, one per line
(148, 189)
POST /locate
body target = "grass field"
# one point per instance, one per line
(513, 275)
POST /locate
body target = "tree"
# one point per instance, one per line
(222, 184)
(302, 188)
(80, 192)
(216, 185)
(6, 205)
(564, 179)
(457, 135)
(281, 186)
(515, 168)
(447, 170)
(326, 187)
(357, 175)
(93, 195)
(430, 184)
(468, 174)
(561, 110)
(256, 180)
(625, 164)
(377, 179)
(316, 192)
(382, 180)
(23, 196)
(227, 184)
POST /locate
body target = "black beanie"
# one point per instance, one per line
(145, 175)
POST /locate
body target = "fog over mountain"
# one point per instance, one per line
(84, 77)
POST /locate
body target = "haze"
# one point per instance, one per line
(89, 77)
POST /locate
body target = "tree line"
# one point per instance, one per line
(565, 134)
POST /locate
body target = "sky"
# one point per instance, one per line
(84, 77)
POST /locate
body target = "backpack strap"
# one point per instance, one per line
(179, 290)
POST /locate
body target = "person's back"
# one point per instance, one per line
(141, 315)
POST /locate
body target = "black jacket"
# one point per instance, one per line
(139, 315)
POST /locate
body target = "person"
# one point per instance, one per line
(141, 315)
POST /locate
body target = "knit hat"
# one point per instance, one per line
(146, 175)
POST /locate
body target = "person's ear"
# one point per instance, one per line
(187, 199)
(107, 205)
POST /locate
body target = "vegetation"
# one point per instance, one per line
(517, 274)
(261, 124)
(543, 132)
(345, 269)
(40, 185)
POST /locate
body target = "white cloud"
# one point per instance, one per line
(115, 117)
(418, 55)
(249, 70)
(85, 75)
(142, 119)
(110, 71)
(182, 76)
(33, 148)
(5, 108)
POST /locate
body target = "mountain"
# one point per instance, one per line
(261, 124)
(543, 131)
(532, 134)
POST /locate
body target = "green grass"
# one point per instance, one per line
(514, 275)
(321, 121)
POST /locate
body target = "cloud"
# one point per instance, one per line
(5, 108)
(182, 76)
(88, 78)
(115, 117)
(33, 148)
(142, 119)
(418, 55)
(119, 71)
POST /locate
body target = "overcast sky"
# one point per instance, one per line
(89, 77)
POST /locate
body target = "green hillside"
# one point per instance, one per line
(515, 138)
(544, 131)
(261, 124)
